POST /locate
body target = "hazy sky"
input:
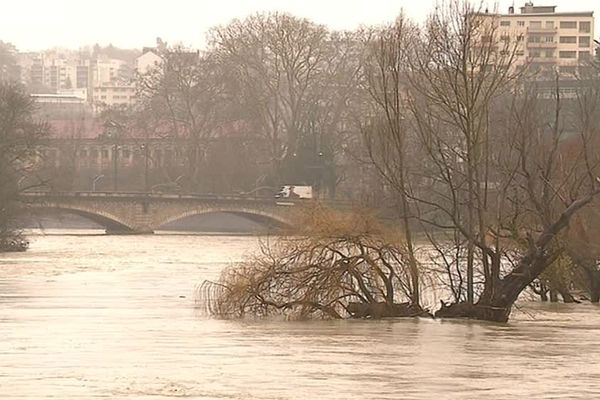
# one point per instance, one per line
(39, 24)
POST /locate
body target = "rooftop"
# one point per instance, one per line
(531, 10)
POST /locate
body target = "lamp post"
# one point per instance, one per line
(115, 166)
(144, 148)
(113, 136)
(96, 179)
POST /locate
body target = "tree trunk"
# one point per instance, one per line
(566, 296)
(594, 277)
(496, 305)
(543, 294)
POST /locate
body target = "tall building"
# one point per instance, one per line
(548, 39)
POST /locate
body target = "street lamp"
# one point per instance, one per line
(145, 149)
(96, 179)
(114, 128)
(115, 166)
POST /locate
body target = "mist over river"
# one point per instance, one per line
(90, 316)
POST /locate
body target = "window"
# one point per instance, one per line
(584, 27)
(568, 39)
(504, 23)
(535, 24)
(549, 54)
(567, 54)
(549, 39)
(534, 39)
(520, 53)
(126, 153)
(104, 153)
(94, 154)
(505, 38)
(568, 70)
(520, 23)
(535, 53)
(549, 24)
(584, 55)
(83, 153)
(584, 41)
(568, 24)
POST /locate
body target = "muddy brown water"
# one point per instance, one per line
(107, 317)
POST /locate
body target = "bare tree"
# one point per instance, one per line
(184, 94)
(388, 140)
(283, 72)
(342, 265)
(19, 133)
(491, 187)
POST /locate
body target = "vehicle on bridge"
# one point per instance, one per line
(294, 192)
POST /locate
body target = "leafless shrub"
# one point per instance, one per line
(341, 265)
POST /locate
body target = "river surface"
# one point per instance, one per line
(105, 317)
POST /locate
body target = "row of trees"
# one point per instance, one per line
(486, 169)
(286, 84)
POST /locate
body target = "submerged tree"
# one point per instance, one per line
(491, 185)
(583, 249)
(19, 133)
(341, 265)
(389, 142)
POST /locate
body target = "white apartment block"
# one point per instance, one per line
(100, 80)
(60, 74)
(106, 71)
(107, 95)
(547, 39)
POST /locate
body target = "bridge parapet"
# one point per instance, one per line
(137, 212)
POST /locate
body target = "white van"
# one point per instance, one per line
(294, 192)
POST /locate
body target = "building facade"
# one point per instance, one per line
(147, 61)
(547, 39)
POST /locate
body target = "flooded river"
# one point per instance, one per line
(90, 317)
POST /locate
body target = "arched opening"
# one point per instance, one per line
(67, 218)
(235, 222)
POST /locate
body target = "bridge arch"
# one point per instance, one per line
(105, 219)
(259, 216)
(143, 213)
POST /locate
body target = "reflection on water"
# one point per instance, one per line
(84, 317)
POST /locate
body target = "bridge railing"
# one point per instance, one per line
(175, 196)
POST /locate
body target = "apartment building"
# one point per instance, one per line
(113, 94)
(547, 39)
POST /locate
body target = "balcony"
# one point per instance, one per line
(541, 45)
(547, 31)
(543, 60)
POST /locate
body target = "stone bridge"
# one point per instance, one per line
(146, 212)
